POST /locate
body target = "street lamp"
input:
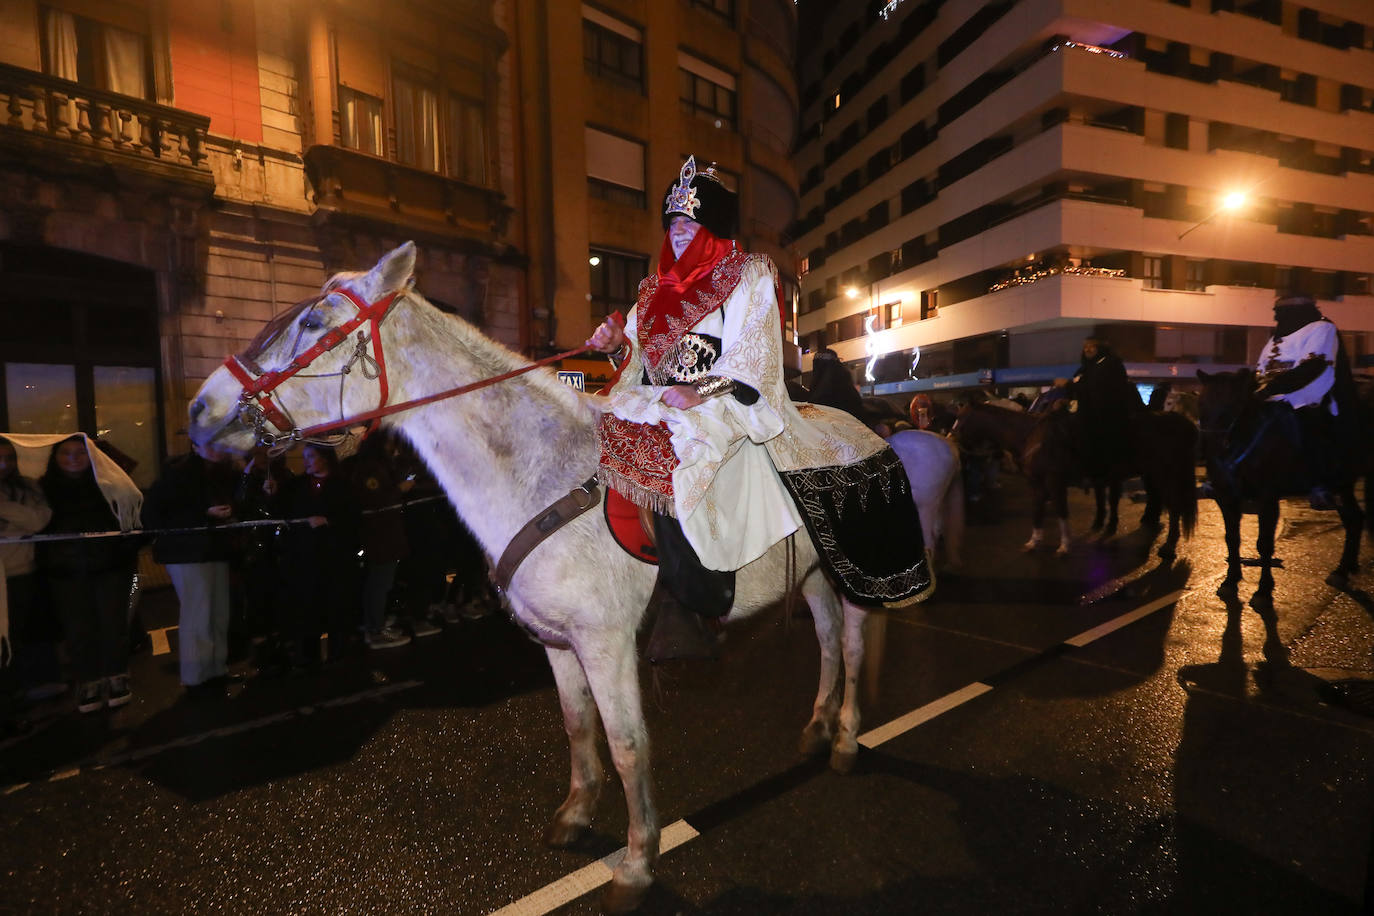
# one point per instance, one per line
(1229, 203)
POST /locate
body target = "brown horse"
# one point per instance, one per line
(1253, 454)
(1046, 449)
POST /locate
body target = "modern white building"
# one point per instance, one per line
(989, 182)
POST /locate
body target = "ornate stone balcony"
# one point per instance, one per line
(350, 186)
(58, 123)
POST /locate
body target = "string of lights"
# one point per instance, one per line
(1025, 279)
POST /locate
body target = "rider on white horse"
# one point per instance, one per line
(701, 430)
(1302, 365)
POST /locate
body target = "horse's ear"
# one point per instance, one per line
(395, 269)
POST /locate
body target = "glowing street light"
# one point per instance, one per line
(1230, 202)
(851, 292)
(594, 260)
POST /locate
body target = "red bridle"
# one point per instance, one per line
(256, 404)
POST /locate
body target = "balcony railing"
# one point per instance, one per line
(356, 184)
(56, 109)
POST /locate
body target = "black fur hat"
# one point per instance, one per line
(702, 197)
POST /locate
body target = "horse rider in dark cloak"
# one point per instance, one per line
(699, 428)
(1106, 399)
(1303, 369)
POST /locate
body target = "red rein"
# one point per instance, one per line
(258, 391)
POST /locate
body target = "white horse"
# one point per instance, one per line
(503, 454)
(932, 468)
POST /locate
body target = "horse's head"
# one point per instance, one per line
(1224, 398)
(319, 361)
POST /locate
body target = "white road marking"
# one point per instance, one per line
(588, 878)
(1111, 626)
(159, 638)
(922, 714)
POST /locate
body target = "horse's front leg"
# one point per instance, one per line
(1038, 494)
(1061, 510)
(845, 749)
(1352, 520)
(1113, 507)
(612, 673)
(1230, 518)
(827, 615)
(580, 722)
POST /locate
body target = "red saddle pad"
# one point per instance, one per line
(622, 517)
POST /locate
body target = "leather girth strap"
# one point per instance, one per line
(564, 510)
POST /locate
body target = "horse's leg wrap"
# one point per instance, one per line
(1064, 539)
(580, 721)
(1037, 535)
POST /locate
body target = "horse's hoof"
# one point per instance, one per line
(813, 742)
(842, 762)
(1029, 546)
(1062, 550)
(1339, 580)
(561, 836)
(1167, 552)
(622, 898)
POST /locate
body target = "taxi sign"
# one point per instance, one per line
(576, 380)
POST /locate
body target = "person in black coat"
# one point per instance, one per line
(89, 579)
(372, 475)
(1106, 399)
(319, 557)
(196, 491)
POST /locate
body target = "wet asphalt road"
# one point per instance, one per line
(1182, 763)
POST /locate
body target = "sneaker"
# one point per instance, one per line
(91, 696)
(386, 638)
(119, 691)
(423, 626)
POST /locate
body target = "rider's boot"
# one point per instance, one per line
(678, 631)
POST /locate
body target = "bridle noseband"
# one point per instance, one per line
(256, 407)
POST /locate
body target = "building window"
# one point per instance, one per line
(803, 267)
(467, 145)
(608, 52)
(930, 303)
(615, 169)
(615, 279)
(360, 121)
(1197, 276)
(893, 316)
(417, 124)
(1152, 272)
(723, 8)
(706, 90)
(95, 54)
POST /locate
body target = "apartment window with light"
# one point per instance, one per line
(706, 90)
(615, 280)
(417, 122)
(360, 121)
(612, 49)
(94, 53)
(893, 318)
(1152, 272)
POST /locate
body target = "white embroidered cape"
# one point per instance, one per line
(727, 493)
